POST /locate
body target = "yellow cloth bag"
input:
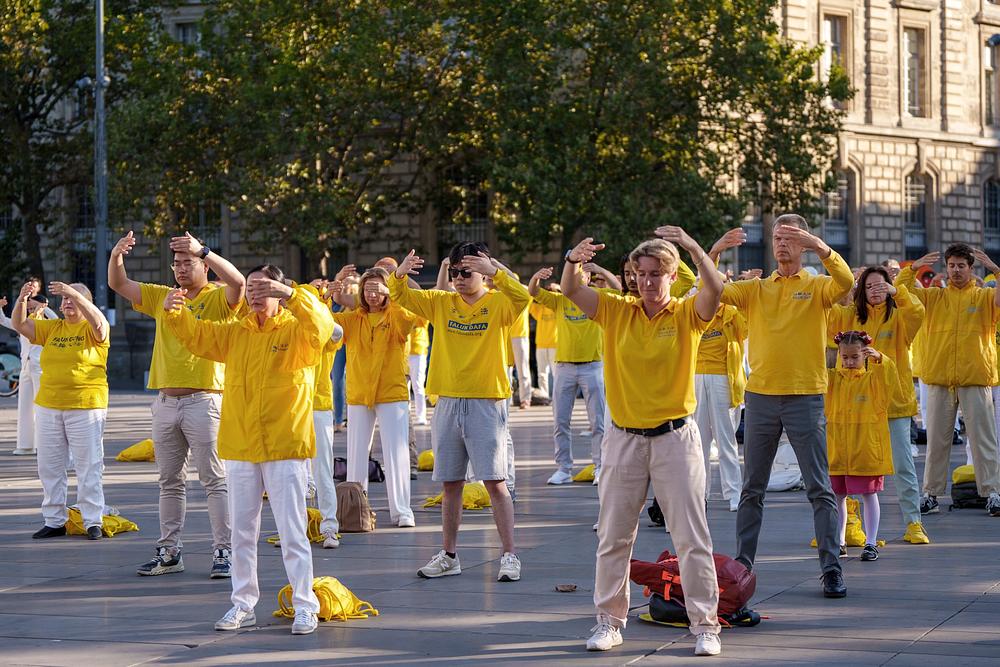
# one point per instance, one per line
(140, 451)
(474, 497)
(425, 461)
(313, 521)
(963, 474)
(336, 601)
(111, 525)
(585, 475)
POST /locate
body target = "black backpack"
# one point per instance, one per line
(966, 496)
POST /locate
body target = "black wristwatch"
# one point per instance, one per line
(571, 261)
(205, 250)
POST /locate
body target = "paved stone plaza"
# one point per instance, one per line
(72, 602)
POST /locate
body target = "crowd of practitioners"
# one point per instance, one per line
(249, 373)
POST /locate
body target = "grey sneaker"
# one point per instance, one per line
(221, 564)
(163, 563)
(510, 567)
(235, 619)
(441, 565)
(605, 637)
(929, 505)
(305, 623)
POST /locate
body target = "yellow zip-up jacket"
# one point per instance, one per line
(733, 326)
(267, 402)
(787, 317)
(857, 419)
(376, 354)
(892, 338)
(959, 334)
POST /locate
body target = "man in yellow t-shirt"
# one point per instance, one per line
(959, 366)
(187, 408)
(787, 316)
(545, 343)
(578, 368)
(468, 371)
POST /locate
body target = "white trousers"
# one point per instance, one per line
(418, 376)
(545, 363)
(394, 427)
(31, 376)
(522, 364)
(285, 484)
(80, 433)
(322, 468)
(718, 421)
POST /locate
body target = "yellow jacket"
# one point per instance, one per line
(892, 338)
(734, 327)
(267, 402)
(959, 347)
(376, 354)
(857, 419)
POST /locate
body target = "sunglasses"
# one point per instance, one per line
(455, 273)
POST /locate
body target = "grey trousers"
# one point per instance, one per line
(803, 419)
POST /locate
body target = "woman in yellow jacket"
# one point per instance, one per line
(266, 431)
(375, 335)
(858, 398)
(71, 406)
(891, 316)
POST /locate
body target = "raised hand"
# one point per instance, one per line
(410, 265)
(174, 300)
(345, 271)
(792, 234)
(543, 273)
(871, 353)
(985, 260)
(930, 259)
(62, 289)
(265, 288)
(731, 239)
(374, 288)
(27, 289)
(322, 286)
(881, 290)
(124, 245)
(585, 250)
(480, 263)
(750, 274)
(186, 243)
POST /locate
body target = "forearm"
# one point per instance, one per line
(442, 279)
(533, 286)
(94, 316)
(120, 283)
(823, 251)
(611, 278)
(20, 322)
(230, 275)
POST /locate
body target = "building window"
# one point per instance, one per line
(915, 72)
(84, 239)
(836, 222)
(465, 211)
(991, 217)
(750, 255)
(6, 218)
(915, 217)
(207, 227)
(990, 74)
(835, 47)
(187, 33)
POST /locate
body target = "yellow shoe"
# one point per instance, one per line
(915, 534)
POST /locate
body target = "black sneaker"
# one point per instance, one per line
(929, 505)
(413, 474)
(221, 564)
(655, 514)
(843, 549)
(993, 504)
(833, 584)
(869, 552)
(94, 533)
(48, 531)
(163, 563)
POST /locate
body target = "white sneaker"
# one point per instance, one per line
(597, 476)
(560, 477)
(605, 637)
(595, 526)
(993, 504)
(914, 451)
(235, 619)
(330, 541)
(708, 644)
(586, 433)
(510, 567)
(23, 452)
(305, 623)
(441, 565)
(406, 522)
(734, 504)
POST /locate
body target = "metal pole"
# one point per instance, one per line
(100, 168)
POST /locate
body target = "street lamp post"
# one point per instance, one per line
(102, 81)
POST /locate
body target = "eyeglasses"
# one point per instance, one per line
(455, 273)
(184, 265)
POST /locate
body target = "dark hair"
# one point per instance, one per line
(621, 273)
(40, 298)
(34, 279)
(861, 296)
(460, 250)
(269, 270)
(960, 250)
(852, 338)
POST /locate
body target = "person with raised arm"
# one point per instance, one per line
(787, 384)
(71, 406)
(468, 372)
(652, 436)
(187, 406)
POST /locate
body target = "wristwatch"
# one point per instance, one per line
(205, 250)
(567, 257)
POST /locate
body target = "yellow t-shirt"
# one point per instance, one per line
(520, 327)
(376, 354)
(578, 338)
(74, 366)
(172, 364)
(787, 318)
(469, 355)
(420, 338)
(649, 363)
(712, 350)
(545, 325)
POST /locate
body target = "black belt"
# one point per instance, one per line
(665, 427)
(578, 363)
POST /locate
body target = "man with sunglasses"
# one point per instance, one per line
(468, 372)
(187, 409)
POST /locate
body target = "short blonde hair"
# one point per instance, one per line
(84, 290)
(791, 220)
(662, 251)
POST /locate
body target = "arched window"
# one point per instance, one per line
(915, 216)
(836, 222)
(991, 216)
(751, 253)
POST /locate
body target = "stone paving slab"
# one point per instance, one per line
(71, 602)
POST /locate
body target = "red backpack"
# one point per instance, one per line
(736, 583)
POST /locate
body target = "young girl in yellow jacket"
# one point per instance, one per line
(857, 433)
(266, 430)
(375, 335)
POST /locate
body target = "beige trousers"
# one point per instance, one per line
(980, 426)
(674, 464)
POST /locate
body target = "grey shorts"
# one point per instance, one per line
(469, 430)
